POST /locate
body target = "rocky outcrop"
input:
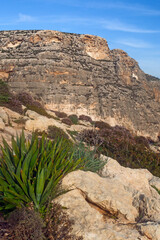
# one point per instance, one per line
(80, 74)
(121, 204)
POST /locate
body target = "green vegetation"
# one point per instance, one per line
(67, 121)
(25, 224)
(118, 143)
(55, 133)
(9, 100)
(4, 93)
(74, 118)
(156, 189)
(31, 170)
(91, 160)
(30, 175)
(60, 114)
(73, 134)
(85, 118)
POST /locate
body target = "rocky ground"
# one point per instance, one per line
(117, 204)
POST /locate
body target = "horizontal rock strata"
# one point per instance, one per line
(80, 74)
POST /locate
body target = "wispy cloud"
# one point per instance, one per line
(124, 6)
(119, 5)
(116, 25)
(110, 24)
(25, 18)
(135, 43)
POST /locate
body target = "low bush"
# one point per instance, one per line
(8, 99)
(67, 121)
(55, 133)
(91, 137)
(85, 118)
(118, 143)
(74, 118)
(15, 105)
(25, 224)
(27, 100)
(58, 225)
(60, 114)
(92, 162)
(5, 94)
(101, 124)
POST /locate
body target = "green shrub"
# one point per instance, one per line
(118, 143)
(91, 160)
(85, 118)
(31, 170)
(67, 121)
(55, 132)
(101, 124)
(74, 118)
(60, 114)
(92, 137)
(4, 92)
(73, 134)
(38, 109)
(26, 224)
(8, 99)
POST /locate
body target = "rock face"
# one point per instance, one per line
(80, 74)
(121, 204)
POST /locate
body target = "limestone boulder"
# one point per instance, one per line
(3, 115)
(133, 179)
(32, 115)
(120, 204)
(41, 123)
(2, 125)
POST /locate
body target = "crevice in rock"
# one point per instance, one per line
(115, 216)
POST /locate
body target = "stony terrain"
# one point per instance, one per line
(117, 204)
(80, 74)
(121, 204)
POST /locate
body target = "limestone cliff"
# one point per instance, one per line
(80, 74)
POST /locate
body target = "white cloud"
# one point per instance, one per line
(124, 6)
(111, 24)
(135, 43)
(25, 18)
(116, 25)
(138, 8)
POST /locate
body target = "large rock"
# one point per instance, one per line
(2, 125)
(3, 115)
(41, 123)
(80, 74)
(119, 205)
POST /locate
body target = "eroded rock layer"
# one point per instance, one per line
(80, 74)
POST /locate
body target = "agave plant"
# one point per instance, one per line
(31, 169)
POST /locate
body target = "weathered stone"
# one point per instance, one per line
(12, 115)
(32, 115)
(130, 178)
(150, 229)
(3, 115)
(2, 125)
(103, 193)
(116, 206)
(80, 74)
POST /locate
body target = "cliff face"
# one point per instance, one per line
(80, 74)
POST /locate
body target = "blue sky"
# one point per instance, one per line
(133, 26)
